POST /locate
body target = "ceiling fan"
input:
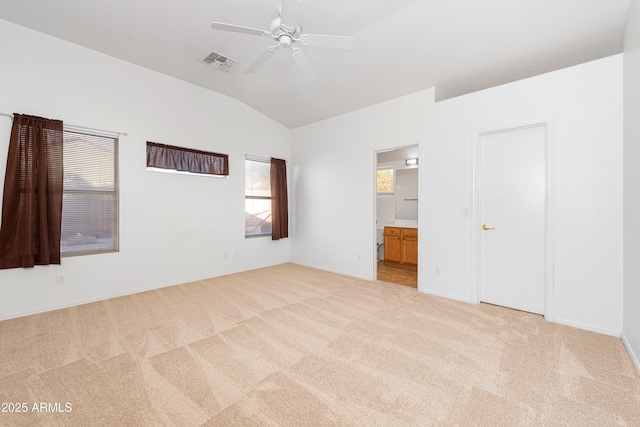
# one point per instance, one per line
(287, 33)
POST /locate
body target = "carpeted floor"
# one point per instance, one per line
(294, 346)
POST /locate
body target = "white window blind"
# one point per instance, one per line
(90, 194)
(257, 196)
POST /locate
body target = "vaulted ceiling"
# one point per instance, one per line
(401, 46)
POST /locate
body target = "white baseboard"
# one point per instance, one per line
(634, 357)
(330, 270)
(605, 331)
(7, 316)
(99, 298)
(441, 295)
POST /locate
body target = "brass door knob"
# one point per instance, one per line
(486, 227)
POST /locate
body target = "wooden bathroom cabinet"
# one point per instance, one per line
(401, 247)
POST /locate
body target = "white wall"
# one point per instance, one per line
(333, 181)
(407, 194)
(585, 103)
(174, 228)
(386, 203)
(385, 209)
(631, 334)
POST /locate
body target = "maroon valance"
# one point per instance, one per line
(186, 159)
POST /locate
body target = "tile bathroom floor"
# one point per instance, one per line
(397, 275)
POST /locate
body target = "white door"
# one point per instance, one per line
(512, 217)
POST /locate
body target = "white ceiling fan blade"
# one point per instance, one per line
(289, 12)
(238, 29)
(307, 69)
(333, 42)
(259, 62)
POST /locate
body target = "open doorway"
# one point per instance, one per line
(396, 213)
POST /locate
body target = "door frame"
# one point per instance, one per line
(375, 152)
(549, 242)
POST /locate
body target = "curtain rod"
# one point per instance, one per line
(79, 127)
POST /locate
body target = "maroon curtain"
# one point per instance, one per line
(186, 160)
(279, 200)
(32, 198)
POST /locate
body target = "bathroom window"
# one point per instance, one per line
(385, 181)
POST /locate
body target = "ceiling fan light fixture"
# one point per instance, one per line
(285, 41)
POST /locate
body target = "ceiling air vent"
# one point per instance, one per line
(220, 61)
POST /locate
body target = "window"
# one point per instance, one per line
(90, 194)
(385, 181)
(257, 203)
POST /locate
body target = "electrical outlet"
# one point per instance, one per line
(237, 254)
(61, 280)
(225, 254)
(437, 271)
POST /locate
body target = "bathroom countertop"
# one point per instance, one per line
(399, 224)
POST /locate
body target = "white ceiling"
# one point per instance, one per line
(402, 46)
(397, 155)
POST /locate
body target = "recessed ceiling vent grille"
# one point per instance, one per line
(220, 61)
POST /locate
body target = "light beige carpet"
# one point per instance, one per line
(294, 346)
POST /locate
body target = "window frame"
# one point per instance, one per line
(115, 236)
(247, 197)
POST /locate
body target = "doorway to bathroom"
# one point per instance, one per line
(396, 213)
